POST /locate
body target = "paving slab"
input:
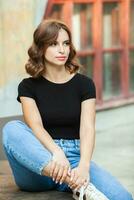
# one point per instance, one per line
(114, 149)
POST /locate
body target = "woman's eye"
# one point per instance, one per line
(53, 44)
(66, 43)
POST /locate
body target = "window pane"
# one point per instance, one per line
(132, 23)
(132, 71)
(56, 12)
(111, 25)
(87, 63)
(81, 26)
(111, 75)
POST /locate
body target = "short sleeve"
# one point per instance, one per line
(88, 89)
(26, 89)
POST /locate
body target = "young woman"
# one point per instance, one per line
(52, 148)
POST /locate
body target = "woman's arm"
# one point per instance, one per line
(80, 174)
(33, 119)
(87, 132)
(59, 164)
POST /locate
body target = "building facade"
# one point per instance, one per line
(103, 34)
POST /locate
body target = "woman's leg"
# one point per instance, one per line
(108, 184)
(27, 157)
(102, 179)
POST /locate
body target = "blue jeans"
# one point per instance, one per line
(27, 157)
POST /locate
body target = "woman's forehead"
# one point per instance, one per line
(62, 35)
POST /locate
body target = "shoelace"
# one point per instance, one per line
(93, 193)
(82, 189)
(81, 193)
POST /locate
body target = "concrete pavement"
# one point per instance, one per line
(114, 148)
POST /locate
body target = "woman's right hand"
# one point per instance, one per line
(59, 166)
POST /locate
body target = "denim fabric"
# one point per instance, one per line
(27, 157)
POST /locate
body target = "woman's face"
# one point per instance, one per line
(57, 53)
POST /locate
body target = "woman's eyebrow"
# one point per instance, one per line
(66, 41)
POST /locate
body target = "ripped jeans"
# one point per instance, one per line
(27, 157)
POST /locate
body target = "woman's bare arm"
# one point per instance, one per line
(80, 174)
(87, 131)
(33, 120)
(59, 166)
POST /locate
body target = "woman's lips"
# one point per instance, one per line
(61, 57)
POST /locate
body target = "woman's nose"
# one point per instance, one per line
(61, 49)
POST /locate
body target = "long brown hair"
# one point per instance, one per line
(45, 34)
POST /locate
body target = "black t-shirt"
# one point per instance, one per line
(59, 104)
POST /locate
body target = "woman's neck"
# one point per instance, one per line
(57, 75)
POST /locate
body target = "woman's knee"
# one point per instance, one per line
(9, 131)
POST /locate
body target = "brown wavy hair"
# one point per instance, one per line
(45, 34)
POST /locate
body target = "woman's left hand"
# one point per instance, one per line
(79, 176)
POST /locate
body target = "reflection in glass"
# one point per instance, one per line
(81, 19)
(111, 25)
(132, 23)
(111, 75)
(87, 63)
(132, 71)
(56, 11)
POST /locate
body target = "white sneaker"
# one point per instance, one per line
(89, 193)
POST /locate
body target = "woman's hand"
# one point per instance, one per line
(79, 176)
(59, 166)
